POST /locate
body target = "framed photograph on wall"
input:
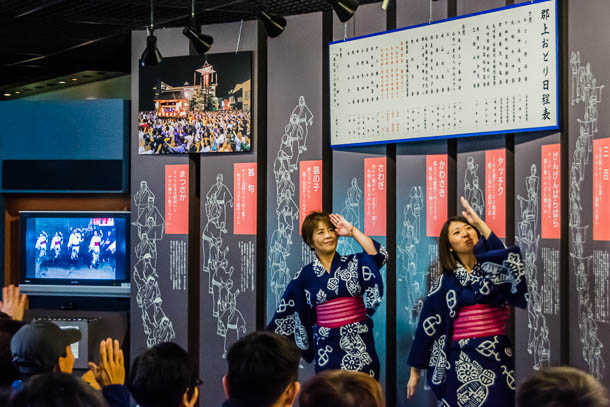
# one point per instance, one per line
(196, 104)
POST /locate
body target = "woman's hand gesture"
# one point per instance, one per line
(474, 219)
(342, 227)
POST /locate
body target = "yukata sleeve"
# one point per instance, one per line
(489, 244)
(294, 317)
(428, 329)
(371, 278)
(503, 281)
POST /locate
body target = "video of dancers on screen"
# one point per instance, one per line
(75, 248)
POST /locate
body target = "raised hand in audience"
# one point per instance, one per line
(111, 369)
(13, 302)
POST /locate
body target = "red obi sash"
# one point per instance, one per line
(480, 320)
(340, 311)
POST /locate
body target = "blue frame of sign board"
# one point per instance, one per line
(522, 130)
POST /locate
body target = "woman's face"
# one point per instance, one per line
(462, 237)
(324, 239)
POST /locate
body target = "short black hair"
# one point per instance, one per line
(56, 390)
(261, 366)
(160, 376)
(8, 371)
(562, 386)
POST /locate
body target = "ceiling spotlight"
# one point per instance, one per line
(17, 92)
(201, 42)
(151, 55)
(345, 9)
(74, 79)
(7, 94)
(273, 23)
(61, 82)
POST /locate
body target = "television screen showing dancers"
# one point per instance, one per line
(196, 104)
(75, 248)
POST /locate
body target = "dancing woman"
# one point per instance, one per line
(327, 307)
(460, 338)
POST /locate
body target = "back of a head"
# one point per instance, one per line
(8, 371)
(561, 387)
(261, 366)
(56, 390)
(341, 388)
(160, 376)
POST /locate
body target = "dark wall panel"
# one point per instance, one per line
(538, 338)
(227, 284)
(294, 135)
(350, 180)
(159, 310)
(417, 255)
(410, 13)
(589, 130)
(227, 291)
(474, 6)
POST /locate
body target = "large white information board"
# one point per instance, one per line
(492, 72)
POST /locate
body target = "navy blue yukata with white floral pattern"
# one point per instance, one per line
(349, 347)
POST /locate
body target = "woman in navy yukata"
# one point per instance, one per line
(461, 338)
(327, 307)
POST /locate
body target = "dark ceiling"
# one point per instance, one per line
(43, 39)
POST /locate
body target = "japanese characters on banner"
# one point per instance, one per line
(436, 191)
(176, 199)
(551, 191)
(601, 189)
(244, 191)
(436, 80)
(495, 176)
(375, 196)
(310, 188)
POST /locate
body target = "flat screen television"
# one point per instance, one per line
(74, 253)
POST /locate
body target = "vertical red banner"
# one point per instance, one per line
(177, 199)
(375, 196)
(550, 220)
(601, 189)
(244, 193)
(436, 191)
(310, 188)
(495, 191)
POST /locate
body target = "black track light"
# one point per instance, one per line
(345, 9)
(201, 42)
(151, 55)
(273, 23)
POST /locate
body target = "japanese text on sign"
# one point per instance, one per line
(244, 191)
(436, 192)
(176, 199)
(495, 191)
(551, 190)
(310, 188)
(601, 189)
(375, 196)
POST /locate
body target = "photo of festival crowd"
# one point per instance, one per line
(196, 104)
(74, 248)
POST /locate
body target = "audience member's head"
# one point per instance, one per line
(8, 370)
(561, 387)
(56, 390)
(42, 346)
(164, 376)
(341, 388)
(263, 370)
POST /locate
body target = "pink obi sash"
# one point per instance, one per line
(477, 321)
(340, 311)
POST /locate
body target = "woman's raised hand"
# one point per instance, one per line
(470, 214)
(474, 219)
(342, 227)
